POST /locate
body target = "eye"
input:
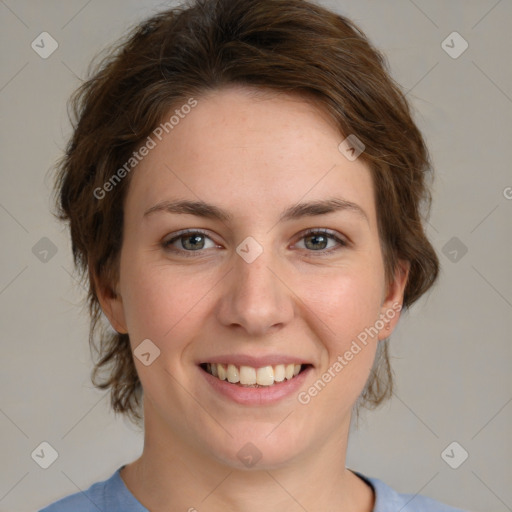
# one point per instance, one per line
(189, 241)
(318, 240)
(322, 241)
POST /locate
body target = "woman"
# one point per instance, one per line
(244, 188)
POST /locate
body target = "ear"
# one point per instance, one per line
(112, 305)
(393, 300)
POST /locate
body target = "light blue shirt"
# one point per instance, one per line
(112, 495)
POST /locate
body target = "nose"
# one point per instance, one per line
(254, 297)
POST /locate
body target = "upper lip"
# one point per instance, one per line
(255, 361)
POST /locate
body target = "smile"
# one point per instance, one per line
(249, 376)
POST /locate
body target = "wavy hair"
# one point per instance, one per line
(287, 46)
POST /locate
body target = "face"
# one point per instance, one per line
(280, 264)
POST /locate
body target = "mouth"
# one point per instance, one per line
(250, 377)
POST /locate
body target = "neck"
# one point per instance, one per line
(173, 474)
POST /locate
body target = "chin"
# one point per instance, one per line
(257, 450)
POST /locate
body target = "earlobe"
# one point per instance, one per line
(112, 305)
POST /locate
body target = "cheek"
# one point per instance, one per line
(156, 300)
(347, 301)
(346, 307)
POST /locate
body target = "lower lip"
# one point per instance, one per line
(257, 396)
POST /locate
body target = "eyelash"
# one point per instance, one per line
(193, 254)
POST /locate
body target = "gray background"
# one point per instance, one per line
(451, 353)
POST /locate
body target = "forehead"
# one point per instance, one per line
(250, 149)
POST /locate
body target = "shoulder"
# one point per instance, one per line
(388, 500)
(110, 494)
(86, 501)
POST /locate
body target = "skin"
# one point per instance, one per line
(253, 155)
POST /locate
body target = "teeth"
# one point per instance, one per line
(249, 376)
(221, 371)
(233, 375)
(265, 376)
(279, 373)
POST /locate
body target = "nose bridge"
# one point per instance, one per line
(255, 298)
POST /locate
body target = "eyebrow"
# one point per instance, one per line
(210, 211)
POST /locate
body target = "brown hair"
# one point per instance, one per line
(288, 46)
